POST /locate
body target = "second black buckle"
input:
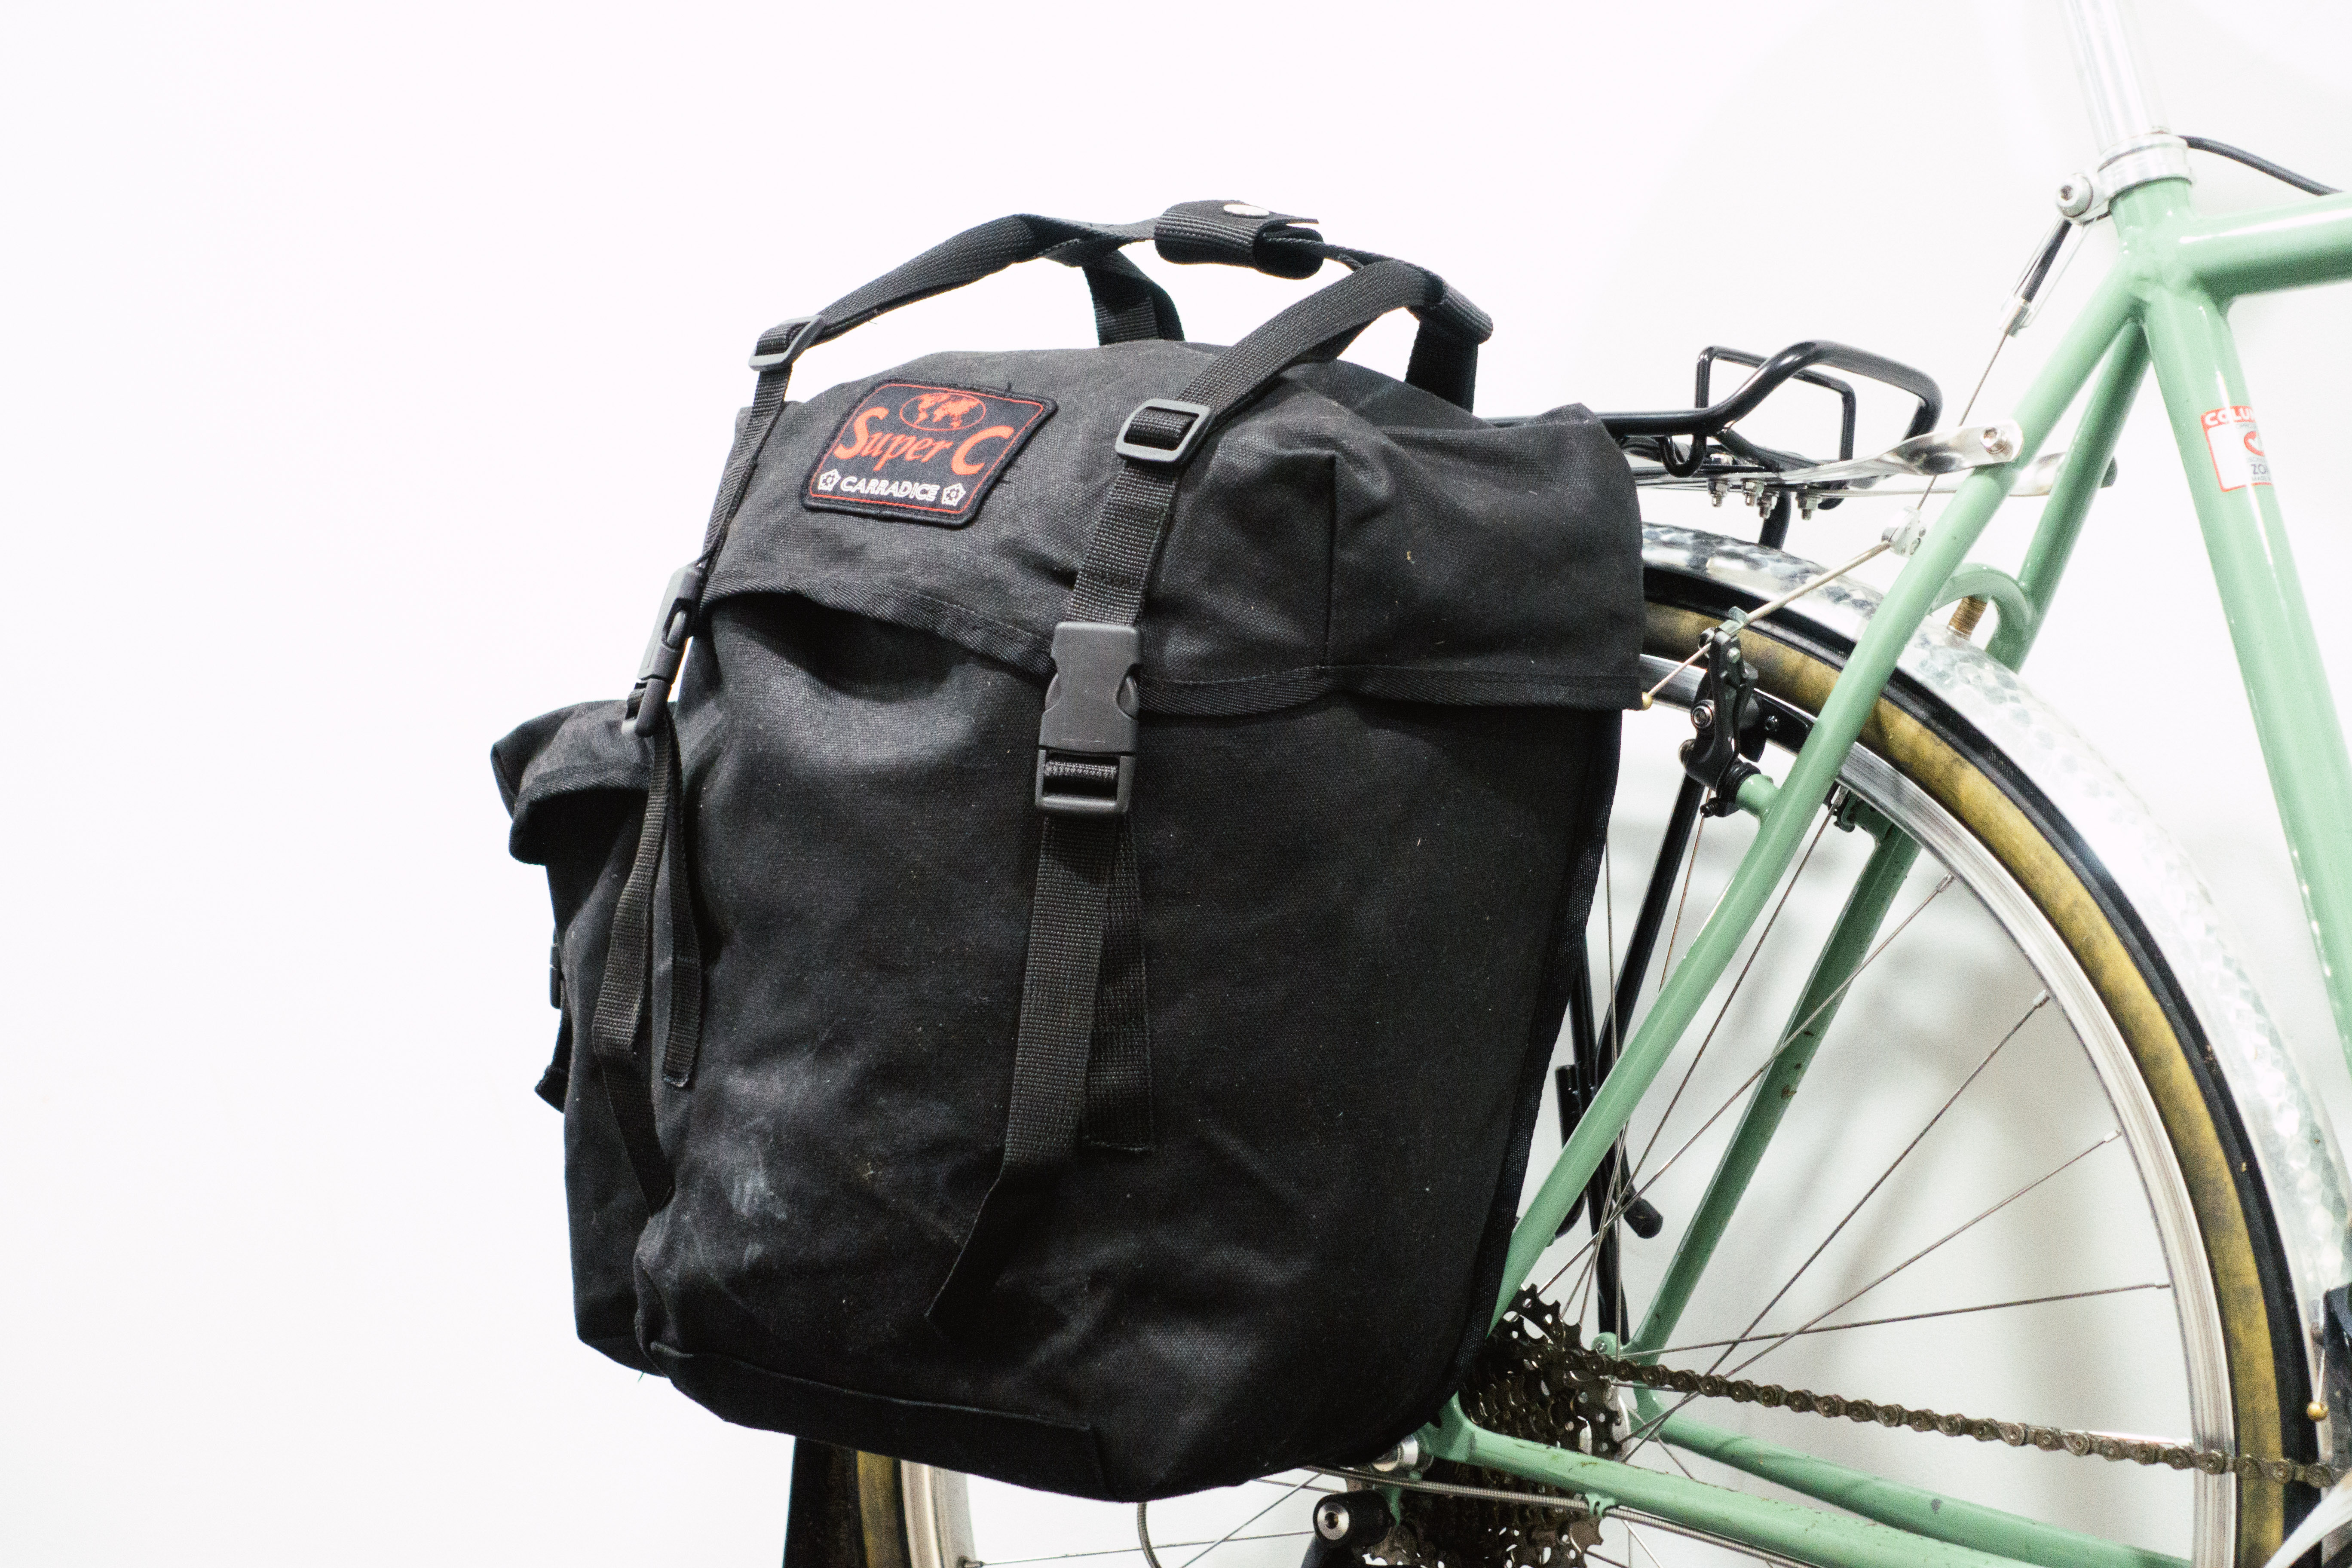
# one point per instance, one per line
(1087, 736)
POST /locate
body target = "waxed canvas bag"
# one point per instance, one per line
(1062, 991)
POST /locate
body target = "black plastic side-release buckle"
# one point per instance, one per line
(666, 650)
(1179, 436)
(1086, 738)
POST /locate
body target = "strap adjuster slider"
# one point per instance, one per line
(1196, 417)
(793, 338)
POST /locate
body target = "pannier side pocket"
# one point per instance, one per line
(575, 781)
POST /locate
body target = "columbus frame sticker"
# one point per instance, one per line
(2237, 448)
(922, 453)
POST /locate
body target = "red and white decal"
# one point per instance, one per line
(924, 454)
(2237, 448)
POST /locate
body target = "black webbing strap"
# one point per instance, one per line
(1110, 580)
(1119, 1059)
(987, 249)
(1444, 352)
(682, 1039)
(1085, 859)
(617, 1035)
(1129, 306)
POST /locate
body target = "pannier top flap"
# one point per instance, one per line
(1346, 531)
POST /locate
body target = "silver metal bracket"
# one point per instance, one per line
(1983, 446)
(2159, 155)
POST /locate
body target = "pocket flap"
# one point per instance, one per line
(551, 766)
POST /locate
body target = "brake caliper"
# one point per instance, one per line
(1729, 722)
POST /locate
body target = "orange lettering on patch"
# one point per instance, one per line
(993, 433)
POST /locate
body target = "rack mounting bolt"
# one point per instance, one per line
(2075, 195)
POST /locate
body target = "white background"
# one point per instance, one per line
(366, 369)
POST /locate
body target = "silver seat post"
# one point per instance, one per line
(2136, 142)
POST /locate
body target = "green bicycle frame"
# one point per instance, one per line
(2165, 304)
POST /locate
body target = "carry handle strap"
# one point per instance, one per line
(1238, 234)
(1129, 306)
(1086, 757)
(991, 248)
(1161, 436)
(1445, 353)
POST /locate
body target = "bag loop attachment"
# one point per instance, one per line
(1085, 738)
(666, 650)
(785, 341)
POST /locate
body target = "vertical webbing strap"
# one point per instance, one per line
(1068, 910)
(617, 1036)
(1071, 947)
(1129, 308)
(1119, 1060)
(682, 1040)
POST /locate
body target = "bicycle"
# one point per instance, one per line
(1967, 1386)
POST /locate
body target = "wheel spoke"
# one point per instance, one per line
(1245, 1524)
(1814, 1257)
(1952, 1235)
(1652, 1427)
(1122, 1550)
(1690, 869)
(1720, 1012)
(1745, 1084)
(1602, 1256)
(1917, 1317)
(1673, 849)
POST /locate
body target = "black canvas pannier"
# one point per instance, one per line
(1063, 991)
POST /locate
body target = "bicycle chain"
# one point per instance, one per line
(1534, 1329)
(1534, 1379)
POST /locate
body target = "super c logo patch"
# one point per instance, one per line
(924, 454)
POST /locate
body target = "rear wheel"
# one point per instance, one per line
(2002, 1179)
